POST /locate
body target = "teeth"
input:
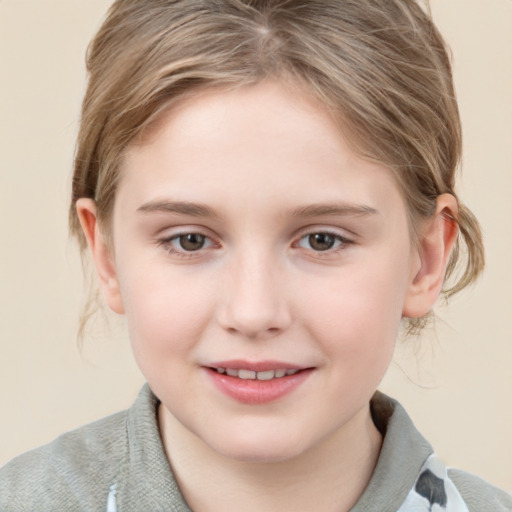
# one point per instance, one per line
(266, 375)
(252, 375)
(246, 374)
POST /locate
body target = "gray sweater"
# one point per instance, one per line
(76, 471)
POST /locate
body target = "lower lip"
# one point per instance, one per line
(253, 391)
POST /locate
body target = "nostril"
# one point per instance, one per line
(253, 332)
(254, 316)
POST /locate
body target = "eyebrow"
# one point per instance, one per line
(334, 209)
(179, 207)
(312, 210)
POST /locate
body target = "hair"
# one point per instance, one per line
(381, 66)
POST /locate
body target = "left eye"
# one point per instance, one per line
(321, 241)
(190, 242)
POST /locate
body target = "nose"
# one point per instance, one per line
(254, 302)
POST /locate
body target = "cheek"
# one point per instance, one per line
(356, 313)
(166, 312)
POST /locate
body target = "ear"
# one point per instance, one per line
(436, 239)
(101, 253)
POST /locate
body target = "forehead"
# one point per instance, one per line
(274, 104)
(267, 138)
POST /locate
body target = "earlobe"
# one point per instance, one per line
(101, 253)
(437, 237)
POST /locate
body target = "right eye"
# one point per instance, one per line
(190, 241)
(185, 244)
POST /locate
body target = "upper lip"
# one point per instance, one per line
(256, 366)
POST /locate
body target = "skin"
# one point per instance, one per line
(269, 167)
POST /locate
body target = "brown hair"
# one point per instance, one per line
(380, 65)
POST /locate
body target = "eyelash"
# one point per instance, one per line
(341, 241)
(167, 243)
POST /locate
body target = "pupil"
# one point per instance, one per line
(321, 241)
(192, 241)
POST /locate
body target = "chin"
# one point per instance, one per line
(259, 449)
(260, 456)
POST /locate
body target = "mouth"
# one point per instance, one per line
(255, 375)
(257, 383)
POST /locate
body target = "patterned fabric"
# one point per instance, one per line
(433, 491)
(112, 501)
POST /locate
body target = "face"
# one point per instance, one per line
(263, 269)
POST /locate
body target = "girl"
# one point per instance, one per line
(267, 191)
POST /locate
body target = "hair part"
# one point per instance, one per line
(380, 66)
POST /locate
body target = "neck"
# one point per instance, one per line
(329, 477)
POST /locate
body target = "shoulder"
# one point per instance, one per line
(478, 494)
(65, 473)
(404, 457)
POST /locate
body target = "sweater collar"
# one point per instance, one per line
(146, 481)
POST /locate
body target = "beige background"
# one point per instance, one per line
(456, 385)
